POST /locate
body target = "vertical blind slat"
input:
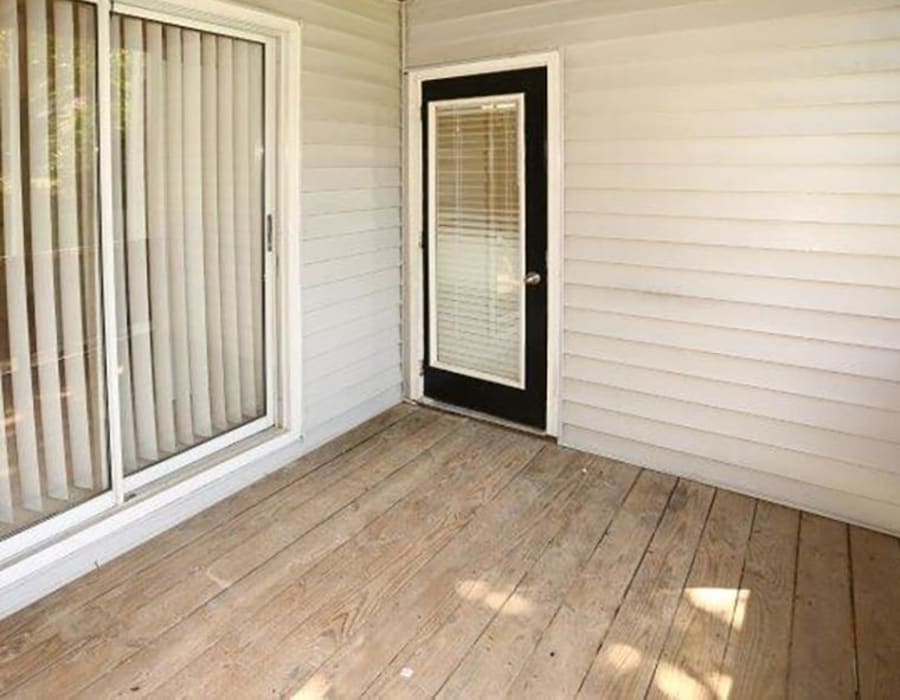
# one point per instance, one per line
(184, 423)
(230, 334)
(157, 235)
(42, 269)
(136, 237)
(242, 227)
(256, 214)
(211, 222)
(86, 58)
(194, 234)
(129, 447)
(70, 248)
(16, 289)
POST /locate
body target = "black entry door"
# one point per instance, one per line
(485, 243)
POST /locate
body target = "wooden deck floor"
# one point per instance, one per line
(424, 554)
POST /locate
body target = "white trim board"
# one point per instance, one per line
(413, 215)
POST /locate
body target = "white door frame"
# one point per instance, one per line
(413, 216)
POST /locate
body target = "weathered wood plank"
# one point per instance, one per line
(307, 533)
(427, 555)
(756, 660)
(509, 585)
(876, 596)
(564, 654)
(280, 657)
(188, 575)
(694, 648)
(625, 664)
(494, 661)
(266, 604)
(32, 625)
(822, 643)
(523, 518)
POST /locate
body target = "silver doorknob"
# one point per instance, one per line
(532, 279)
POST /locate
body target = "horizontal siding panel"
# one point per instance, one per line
(349, 134)
(351, 266)
(322, 388)
(329, 39)
(830, 502)
(869, 483)
(343, 108)
(466, 41)
(809, 266)
(761, 374)
(352, 156)
(319, 249)
(825, 61)
(336, 202)
(351, 310)
(877, 302)
(326, 295)
(797, 121)
(765, 235)
(321, 85)
(338, 63)
(812, 207)
(423, 14)
(322, 225)
(335, 361)
(822, 422)
(351, 396)
(849, 149)
(832, 450)
(797, 179)
(831, 357)
(852, 88)
(353, 332)
(322, 431)
(509, 17)
(337, 179)
(341, 17)
(791, 33)
(776, 321)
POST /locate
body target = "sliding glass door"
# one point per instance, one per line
(159, 324)
(188, 201)
(52, 446)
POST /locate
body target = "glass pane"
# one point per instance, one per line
(52, 448)
(188, 207)
(477, 224)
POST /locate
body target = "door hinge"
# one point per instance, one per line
(270, 235)
(421, 368)
(421, 240)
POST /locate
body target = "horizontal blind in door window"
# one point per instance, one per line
(477, 306)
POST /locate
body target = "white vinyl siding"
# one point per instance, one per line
(732, 255)
(350, 87)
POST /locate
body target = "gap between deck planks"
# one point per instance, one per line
(423, 554)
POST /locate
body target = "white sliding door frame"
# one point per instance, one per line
(209, 447)
(281, 425)
(414, 330)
